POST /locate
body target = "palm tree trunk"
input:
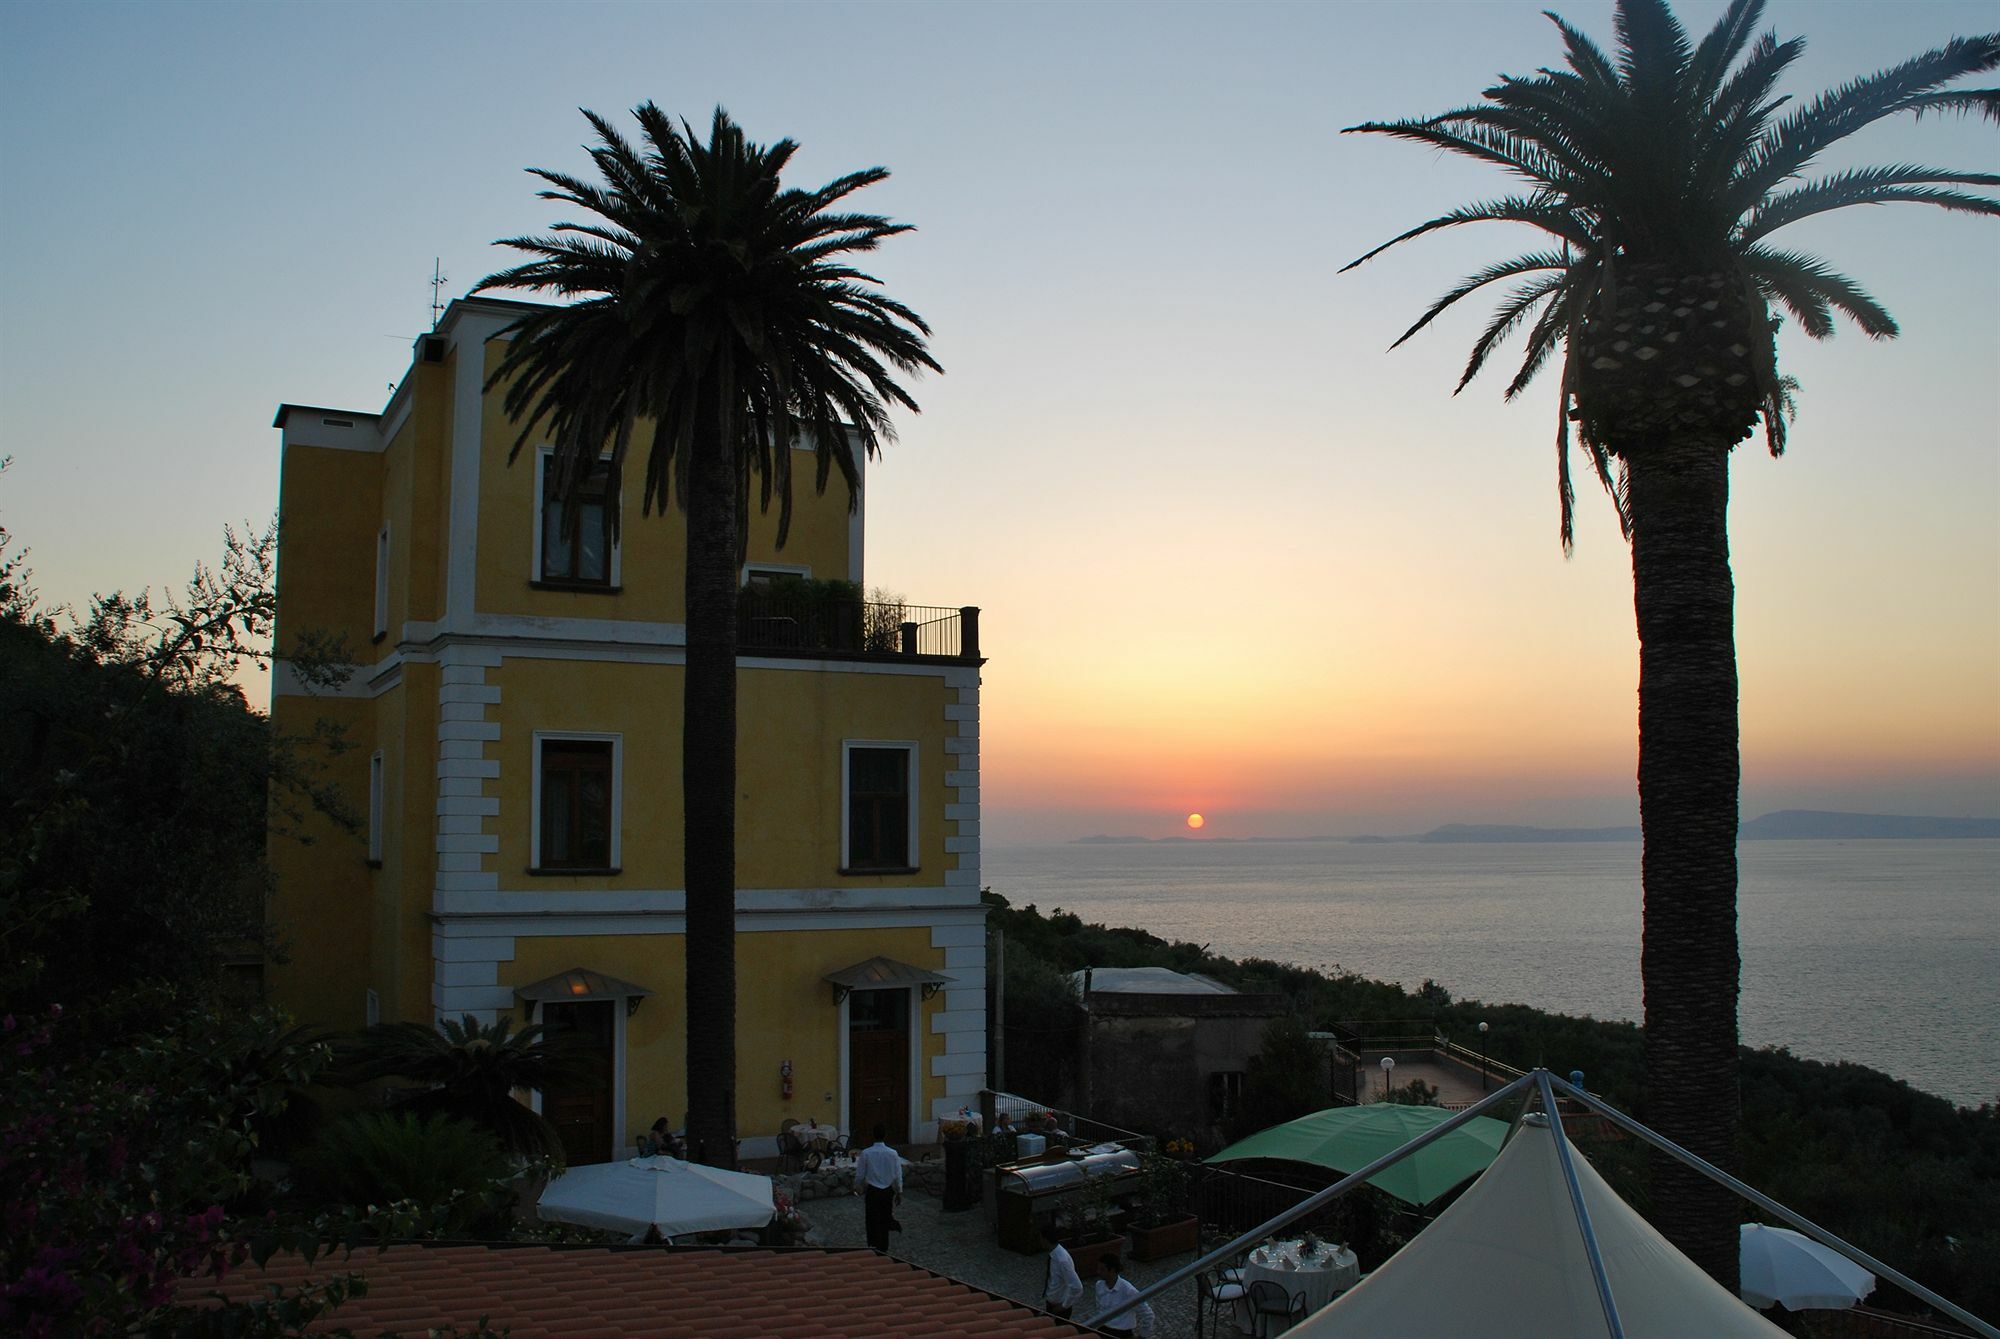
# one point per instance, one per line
(708, 787)
(1689, 770)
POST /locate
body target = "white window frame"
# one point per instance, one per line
(847, 747)
(773, 569)
(382, 581)
(375, 807)
(617, 791)
(542, 458)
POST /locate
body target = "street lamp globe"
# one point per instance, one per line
(1388, 1068)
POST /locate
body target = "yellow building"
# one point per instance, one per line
(515, 729)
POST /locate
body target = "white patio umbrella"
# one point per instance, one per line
(665, 1193)
(1786, 1268)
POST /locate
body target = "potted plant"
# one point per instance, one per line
(1165, 1225)
(1088, 1227)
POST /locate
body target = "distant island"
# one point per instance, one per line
(1781, 825)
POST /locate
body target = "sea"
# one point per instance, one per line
(1885, 953)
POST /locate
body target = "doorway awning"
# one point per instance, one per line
(581, 983)
(884, 974)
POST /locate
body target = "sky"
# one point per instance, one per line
(1234, 556)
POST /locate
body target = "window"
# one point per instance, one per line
(371, 1009)
(579, 554)
(375, 809)
(881, 808)
(763, 574)
(1225, 1094)
(576, 804)
(382, 584)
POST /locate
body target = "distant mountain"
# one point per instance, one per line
(1825, 825)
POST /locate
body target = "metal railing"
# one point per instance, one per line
(1406, 1035)
(806, 623)
(1072, 1126)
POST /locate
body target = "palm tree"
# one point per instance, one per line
(470, 1071)
(720, 308)
(1661, 177)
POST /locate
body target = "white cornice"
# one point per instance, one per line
(478, 925)
(673, 901)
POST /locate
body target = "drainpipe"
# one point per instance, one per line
(1086, 1060)
(996, 1017)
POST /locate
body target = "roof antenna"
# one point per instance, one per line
(438, 278)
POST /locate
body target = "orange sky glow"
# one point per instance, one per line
(1235, 558)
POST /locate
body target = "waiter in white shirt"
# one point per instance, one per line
(1064, 1289)
(878, 1178)
(1113, 1289)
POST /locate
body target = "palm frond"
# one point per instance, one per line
(1720, 48)
(1912, 86)
(1535, 211)
(1805, 285)
(1441, 132)
(1902, 183)
(1549, 333)
(1506, 269)
(1586, 58)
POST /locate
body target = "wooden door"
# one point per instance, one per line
(878, 1064)
(581, 1108)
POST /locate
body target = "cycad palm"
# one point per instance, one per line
(472, 1071)
(715, 310)
(1661, 175)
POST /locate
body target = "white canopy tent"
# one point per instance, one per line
(1508, 1259)
(1502, 1263)
(665, 1193)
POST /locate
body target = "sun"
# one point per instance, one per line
(1196, 820)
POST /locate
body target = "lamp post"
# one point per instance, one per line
(1388, 1068)
(1482, 1057)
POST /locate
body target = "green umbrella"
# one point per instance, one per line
(1349, 1138)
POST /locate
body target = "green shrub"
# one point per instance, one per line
(1415, 1093)
(384, 1157)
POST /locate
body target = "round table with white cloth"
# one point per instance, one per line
(1318, 1275)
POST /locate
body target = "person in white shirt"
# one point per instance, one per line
(1063, 1289)
(878, 1178)
(1113, 1289)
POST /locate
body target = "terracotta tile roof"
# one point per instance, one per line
(578, 1292)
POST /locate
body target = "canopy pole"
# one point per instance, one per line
(1771, 1206)
(1596, 1258)
(1327, 1196)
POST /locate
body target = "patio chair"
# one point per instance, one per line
(1212, 1294)
(790, 1155)
(1267, 1300)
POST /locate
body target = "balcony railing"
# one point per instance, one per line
(806, 623)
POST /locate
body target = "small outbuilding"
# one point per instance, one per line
(1166, 1050)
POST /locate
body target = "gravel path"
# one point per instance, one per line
(964, 1246)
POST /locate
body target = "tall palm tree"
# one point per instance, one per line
(717, 308)
(1661, 175)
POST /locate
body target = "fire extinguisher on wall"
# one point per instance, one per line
(785, 1079)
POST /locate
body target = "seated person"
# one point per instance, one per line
(1003, 1124)
(663, 1142)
